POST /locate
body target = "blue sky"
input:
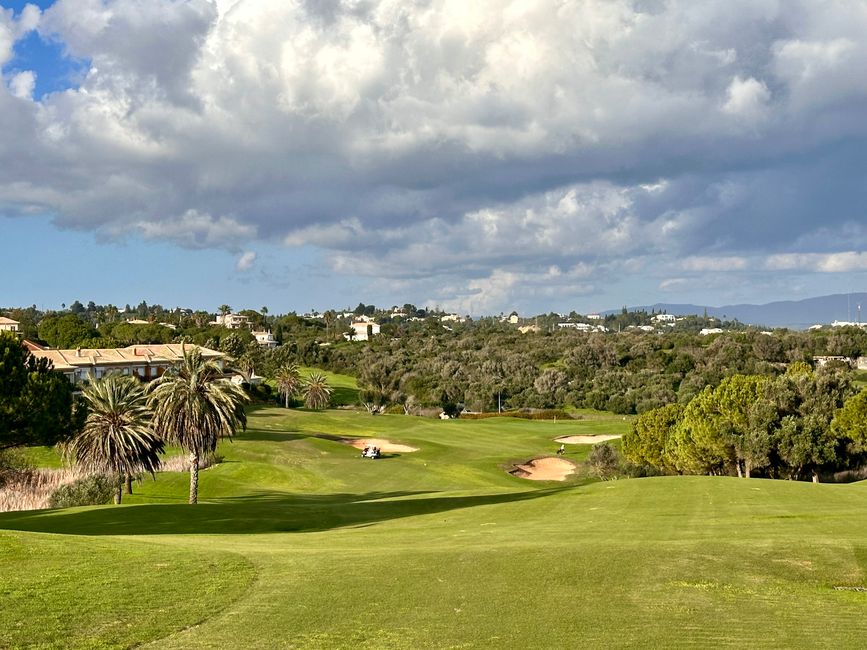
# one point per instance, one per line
(479, 157)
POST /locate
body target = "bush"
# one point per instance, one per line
(12, 463)
(604, 460)
(94, 490)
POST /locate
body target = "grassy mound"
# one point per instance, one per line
(439, 548)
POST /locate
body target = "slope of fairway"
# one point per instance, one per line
(443, 548)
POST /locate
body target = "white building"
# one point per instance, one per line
(452, 318)
(232, 321)
(595, 317)
(362, 331)
(583, 327)
(8, 325)
(710, 330)
(265, 339)
(846, 323)
(664, 318)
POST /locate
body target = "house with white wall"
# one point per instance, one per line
(362, 331)
(232, 321)
(265, 339)
(8, 325)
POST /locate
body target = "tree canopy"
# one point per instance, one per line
(36, 403)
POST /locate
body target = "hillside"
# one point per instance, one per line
(795, 314)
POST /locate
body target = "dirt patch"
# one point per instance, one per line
(544, 469)
(587, 440)
(385, 446)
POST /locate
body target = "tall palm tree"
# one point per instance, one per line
(288, 381)
(194, 406)
(117, 437)
(316, 391)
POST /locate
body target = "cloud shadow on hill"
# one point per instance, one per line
(267, 512)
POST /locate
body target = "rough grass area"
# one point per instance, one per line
(440, 548)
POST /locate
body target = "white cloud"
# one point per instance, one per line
(478, 143)
(195, 230)
(747, 98)
(21, 84)
(819, 262)
(245, 262)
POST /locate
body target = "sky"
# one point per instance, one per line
(477, 156)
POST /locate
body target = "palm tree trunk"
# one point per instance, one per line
(194, 477)
(118, 494)
(129, 483)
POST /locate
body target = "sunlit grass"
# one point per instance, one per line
(440, 548)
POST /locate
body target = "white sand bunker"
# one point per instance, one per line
(586, 440)
(385, 446)
(544, 469)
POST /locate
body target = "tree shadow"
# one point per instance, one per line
(264, 435)
(266, 512)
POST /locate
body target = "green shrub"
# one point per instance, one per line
(604, 461)
(91, 490)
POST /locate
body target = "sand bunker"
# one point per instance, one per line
(586, 440)
(385, 446)
(544, 469)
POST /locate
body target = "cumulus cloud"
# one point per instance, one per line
(479, 143)
(747, 98)
(21, 84)
(196, 230)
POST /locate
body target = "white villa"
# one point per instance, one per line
(8, 325)
(362, 331)
(143, 361)
(710, 330)
(582, 327)
(265, 339)
(232, 321)
(664, 318)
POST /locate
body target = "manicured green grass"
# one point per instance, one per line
(345, 387)
(439, 548)
(41, 456)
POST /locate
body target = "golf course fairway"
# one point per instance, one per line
(298, 542)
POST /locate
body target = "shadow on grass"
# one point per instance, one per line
(270, 436)
(266, 512)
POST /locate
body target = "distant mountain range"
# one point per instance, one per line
(795, 314)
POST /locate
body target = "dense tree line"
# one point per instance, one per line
(482, 365)
(797, 425)
(632, 372)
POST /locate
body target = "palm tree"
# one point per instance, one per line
(117, 437)
(288, 381)
(316, 391)
(224, 309)
(194, 406)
